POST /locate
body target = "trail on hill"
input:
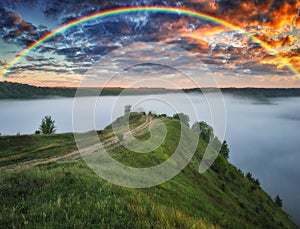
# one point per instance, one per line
(112, 141)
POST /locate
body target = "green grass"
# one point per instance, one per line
(135, 119)
(68, 194)
(16, 149)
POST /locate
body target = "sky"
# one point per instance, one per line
(124, 49)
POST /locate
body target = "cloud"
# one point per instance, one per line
(229, 52)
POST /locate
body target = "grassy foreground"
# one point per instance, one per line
(68, 194)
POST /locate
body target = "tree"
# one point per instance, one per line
(278, 201)
(127, 109)
(47, 126)
(183, 118)
(249, 176)
(257, 182)
(252, 179)
(204, 130)
(224, 150)
(220, 165)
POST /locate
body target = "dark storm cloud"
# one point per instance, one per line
(9, 19)
(40, 59)
(98, 50)
(38, 68)
(82, 54)
(15, 30)
(150, 68)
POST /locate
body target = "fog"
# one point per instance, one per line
(264, 139)
(263, 135)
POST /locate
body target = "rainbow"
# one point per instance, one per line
(136, 9)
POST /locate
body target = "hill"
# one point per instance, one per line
(259, 93)
(10, 90)
(37, 191)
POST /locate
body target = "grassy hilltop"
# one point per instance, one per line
(66, 193)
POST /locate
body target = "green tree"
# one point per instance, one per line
(257, 182)
(220, 165)
(278, 201)
(183, 118)
(204, 130)
(47, 126)
(252, 179)
(224, 150)
(249, 176)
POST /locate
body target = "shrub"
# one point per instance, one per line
(220, 165)
(252, 180)
(249, 176)
(278, 201)
(183, 118)
(204, 130)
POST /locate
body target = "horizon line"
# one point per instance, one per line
(152, 88)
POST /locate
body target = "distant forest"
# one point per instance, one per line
(253, 92)
(10, 90)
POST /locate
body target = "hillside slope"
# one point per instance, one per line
(68, 193)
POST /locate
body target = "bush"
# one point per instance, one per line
(220, 165)
(278, 201)
(249, 176)
(252, 180)
(163, 115)
(204, 130)
(183, 118)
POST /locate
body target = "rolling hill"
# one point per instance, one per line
(37, 191)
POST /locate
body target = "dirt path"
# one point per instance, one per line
(75, 154)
